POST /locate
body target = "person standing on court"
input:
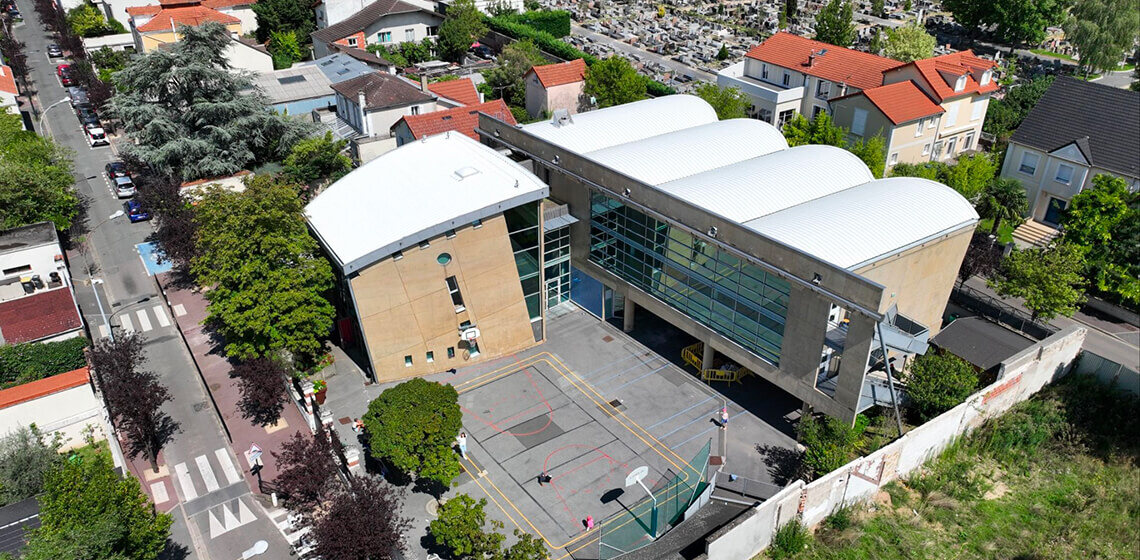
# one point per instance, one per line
(462, 439)
(724, 418)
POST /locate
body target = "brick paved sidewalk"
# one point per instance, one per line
(189, 310)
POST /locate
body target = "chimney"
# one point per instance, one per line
(811, 60)
(363, 113)
(423, 84)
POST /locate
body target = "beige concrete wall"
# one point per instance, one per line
(961, 126)
(565, 96)
(920, 280)
(67, 412)
(405, 309)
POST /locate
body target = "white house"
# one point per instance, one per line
(384, 22)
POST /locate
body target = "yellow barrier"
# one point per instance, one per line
(694, 356)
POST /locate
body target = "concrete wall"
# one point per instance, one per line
(1019, 378)
(405, 309)
(539, 99)
(67, 413)
(245, 14)
(244, 57)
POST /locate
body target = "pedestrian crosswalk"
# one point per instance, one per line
(139, 320)
(198, 477)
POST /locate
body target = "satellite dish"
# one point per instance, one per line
(637, 475)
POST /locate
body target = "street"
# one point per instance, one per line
(627, 49)
(200, 481)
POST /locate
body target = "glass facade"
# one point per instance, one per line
(522, 227)
(739, 300)
(556, 260)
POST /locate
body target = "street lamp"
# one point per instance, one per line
(40, 122)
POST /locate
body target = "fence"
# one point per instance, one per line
(1019, 377)
(997, 310)
(1108, 371)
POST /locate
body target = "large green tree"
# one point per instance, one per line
(614, 81)
(459, 528)
(26, 457)
(909, 43)
(462, 25)
(873, 152)
(1015, 21)
(970, 175)
(834, 24)
(35, 178)
(267, 274)
(414, 425)
(819, 130)
(282, 16)
(89, 512)
(316, 161)
(1103, 31)
(936, 383)
(506, 78)
(728, 102)
(192, 116)
(1106, 220)
(1003, 200)
(1003, 116)
(1048, 279)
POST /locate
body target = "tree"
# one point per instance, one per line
(829, 443)
(909, 43)
(970, 175)
(1003, 200)
(834, 24)
(266, 271)
(878, 8)
(362, 522)
(283, 16)
(936, 383)
(88, 511)
(317, 161)
(728, 102)
(1005, 115)
(462, 26)
(413, 425)
(791, 11)
(1048, 279)
(13, 55)
(134, 397)
(907, 5)
(31, 361)
(873, 152)
(933, 170)
(820, 130)
(875, 45)
(174, 215)
(613, 81)
(722, 54)
(1016, 21)
(306, 471)
(86, 20)
(25, 459)
(35, 178)
(392, 55)
(261, 382)
(527, 547)
(506, 78)
(1106, 221)
(285, 48)
(983, 257)
(1103, 31)
(459, 528)
(191, 116)
(416, 53)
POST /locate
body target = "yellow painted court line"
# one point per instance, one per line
(562, 370)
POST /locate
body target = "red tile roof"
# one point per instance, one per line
(143, 10)
(38, 316)
(902, 102)
(43, 387)
(955, 64)
(221, 4)
(459, 119)
(560, 74)
(462, 90)
(8, 80)
(839, 64)
(192, 15)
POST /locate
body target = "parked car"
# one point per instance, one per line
(96, 136)
(84, 110)
(124, 187)
(62, 69)
(54, 51)
(484, 52)
(116, 169)
(14, 13)
(135, 211)
(78, 96)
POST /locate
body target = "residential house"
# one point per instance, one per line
(36, 299)
(306, 87)
(154, 26)
(555, 86)
(332, 12)
(900, 113)
(1077, 130)
(455, 93)
(63, 404)
(383, 22)
(374, 62)
(8, 91)
(121, 10)
(463, 120)
(372, 103)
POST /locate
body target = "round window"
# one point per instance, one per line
(443, 259)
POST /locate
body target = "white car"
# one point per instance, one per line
(97, 136)
(124, 187)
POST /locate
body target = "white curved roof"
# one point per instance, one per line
(415, 192)
(594, 130)
(858, 226)
(654, 160)
(770, 183)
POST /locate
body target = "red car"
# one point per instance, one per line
(62, 69)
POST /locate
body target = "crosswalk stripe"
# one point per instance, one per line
(125, 321)
(188, 491)
(144, 321)
(227, 466)
(103, 332)
(207, 473)
(158, 490)
(160, 314)
(179, 310)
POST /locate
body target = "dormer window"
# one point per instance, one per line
(961, 83)
(985, 81)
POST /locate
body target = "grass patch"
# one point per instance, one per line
(1051, 54)
(1004, 233)
(88, 452)
(1053, 478)
(1124, 67)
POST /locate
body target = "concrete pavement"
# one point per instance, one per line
(195, 483)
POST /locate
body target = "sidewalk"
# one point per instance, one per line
(189, 311)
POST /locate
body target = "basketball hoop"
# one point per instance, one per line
(470, 334)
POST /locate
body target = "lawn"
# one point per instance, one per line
(87, 452)
(1053, 478)
(1049, 53)
(1004, 233)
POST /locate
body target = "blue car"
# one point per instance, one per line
(135, 211)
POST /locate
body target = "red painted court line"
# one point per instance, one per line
(558, 488)
(543, 402)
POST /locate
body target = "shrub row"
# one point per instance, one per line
(554, 22)
(24, 363)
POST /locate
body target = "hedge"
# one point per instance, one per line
(554, 22)
(24, 363)
(561, 49)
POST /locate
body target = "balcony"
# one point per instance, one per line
(770, 92)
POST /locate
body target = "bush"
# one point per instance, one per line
(23, 363)
(830, 443)
(936, 383)
(789, 541)
(554, 22)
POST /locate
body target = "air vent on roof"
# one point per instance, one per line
(465, 172)
(327, 62)
(290, 80)
(822, 52)
(446, 117)
(342, 72)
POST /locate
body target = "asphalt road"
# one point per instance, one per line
(196, 478)
(627, 49)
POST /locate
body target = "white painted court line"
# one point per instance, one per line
(179, 310)
(207, 473)
(144, 321)
(103, 332)
(125, 320)
(160, 314)
(184, 480)
(158, 490)
(227, 466)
